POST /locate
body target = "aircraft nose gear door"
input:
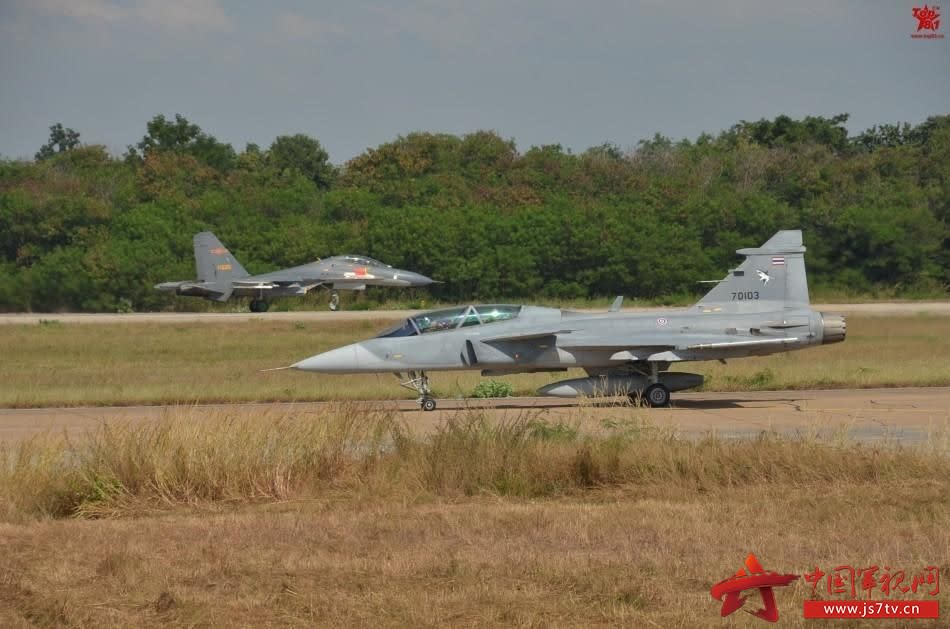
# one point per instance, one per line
(419, 382)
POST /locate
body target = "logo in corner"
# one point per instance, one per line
(928, 19)
(752, 577)
(765, 277)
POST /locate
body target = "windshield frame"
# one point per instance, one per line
(454, 318)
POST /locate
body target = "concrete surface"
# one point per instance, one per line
(910, 415)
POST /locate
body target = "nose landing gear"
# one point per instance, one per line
(419, 382)
(334, 301)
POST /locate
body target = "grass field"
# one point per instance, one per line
(346, 519)
(67, 364)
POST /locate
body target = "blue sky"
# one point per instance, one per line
(356, 74)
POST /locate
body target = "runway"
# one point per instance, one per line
(909, 415)
(869, 309)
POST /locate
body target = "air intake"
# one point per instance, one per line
(835, 328)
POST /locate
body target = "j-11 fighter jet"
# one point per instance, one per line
(759, 308)
(221, 276)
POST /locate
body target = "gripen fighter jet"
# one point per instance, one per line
(221, 276)
(759, 308)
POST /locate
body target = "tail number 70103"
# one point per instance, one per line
(745, 295)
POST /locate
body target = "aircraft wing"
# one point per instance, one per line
(195, 289)
(349, 284)
(264, 284)
(621, 351)
(744, 344)
(256, 285)
(650, 349)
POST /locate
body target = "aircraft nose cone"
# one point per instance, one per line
(416, 279)
(341, 360)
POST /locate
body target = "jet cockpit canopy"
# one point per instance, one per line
(364, 261)
(452, 318)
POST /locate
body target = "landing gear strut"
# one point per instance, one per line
(334, 301)
(259, 305)
(656, 394)
(418, 381)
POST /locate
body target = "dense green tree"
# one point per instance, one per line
(82, 230)
(181, 136)
(60, 141)
(785, 131)
(302, 154)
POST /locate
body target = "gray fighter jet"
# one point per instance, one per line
(221, 276)
(759, 308)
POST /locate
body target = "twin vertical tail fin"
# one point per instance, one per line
(216, 266)
(772, 277)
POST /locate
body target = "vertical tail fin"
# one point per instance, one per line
(772, 277)
(216, 265)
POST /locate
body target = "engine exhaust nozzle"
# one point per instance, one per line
(833, 328)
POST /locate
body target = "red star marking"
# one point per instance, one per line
(728, 590)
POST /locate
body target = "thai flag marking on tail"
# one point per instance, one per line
(778, 261)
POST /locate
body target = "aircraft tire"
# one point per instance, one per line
(259, 305)
(657, 395)
(334, 301)
(427, 404)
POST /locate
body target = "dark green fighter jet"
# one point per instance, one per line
(759, 308)
(221, 276)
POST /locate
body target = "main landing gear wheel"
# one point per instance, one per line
(334, 301)
(657, 395)
(427, 403)
(259, 305)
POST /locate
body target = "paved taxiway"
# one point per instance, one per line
(910, 415)
(873, 309)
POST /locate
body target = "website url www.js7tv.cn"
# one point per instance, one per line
(872, 609)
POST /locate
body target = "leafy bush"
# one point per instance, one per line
(492, 389)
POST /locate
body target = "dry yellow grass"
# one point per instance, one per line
(346, 519)
(187, 457)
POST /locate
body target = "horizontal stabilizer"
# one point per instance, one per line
(187, 288)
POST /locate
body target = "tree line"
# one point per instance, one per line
(84, 230)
